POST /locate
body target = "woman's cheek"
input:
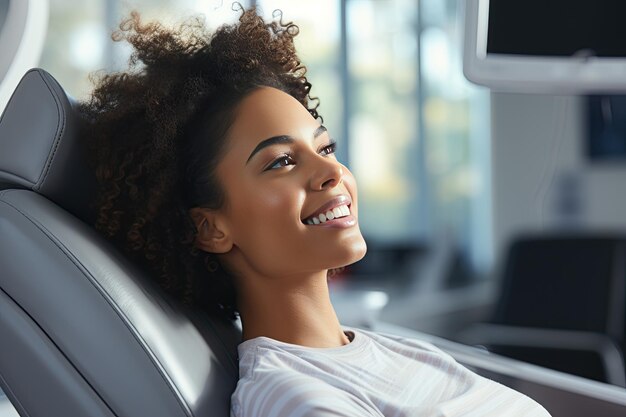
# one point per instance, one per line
(268, 214)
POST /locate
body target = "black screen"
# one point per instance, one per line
(557, 27)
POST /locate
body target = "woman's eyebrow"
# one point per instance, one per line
(274, 140)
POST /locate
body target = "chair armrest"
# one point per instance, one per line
(496, 334)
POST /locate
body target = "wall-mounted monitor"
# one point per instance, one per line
(546, 46)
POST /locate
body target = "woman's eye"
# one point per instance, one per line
(329, 149)
(283, 161)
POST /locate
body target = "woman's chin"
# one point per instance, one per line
(359, 249)
(350, 253)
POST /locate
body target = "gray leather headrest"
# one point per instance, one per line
(40, 148)
(83, 331)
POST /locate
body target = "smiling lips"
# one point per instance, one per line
(336, 208)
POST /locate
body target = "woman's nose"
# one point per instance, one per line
(328, 174)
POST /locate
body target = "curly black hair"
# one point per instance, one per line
(157, 131)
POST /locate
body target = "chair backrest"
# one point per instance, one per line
(559, 286)
(568, 282)
(83, 331)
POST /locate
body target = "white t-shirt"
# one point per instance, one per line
(373, 375)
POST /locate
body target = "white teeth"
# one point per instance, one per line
(337, 212)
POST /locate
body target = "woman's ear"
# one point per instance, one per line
(213, 236)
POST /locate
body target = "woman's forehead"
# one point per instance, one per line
(268, 112)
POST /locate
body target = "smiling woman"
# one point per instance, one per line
(278, 262)
(217, 175)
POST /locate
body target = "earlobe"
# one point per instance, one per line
(212, 234)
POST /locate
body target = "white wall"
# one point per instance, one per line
(538, 145)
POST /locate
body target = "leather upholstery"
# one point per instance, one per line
(39, 144)
(82, 330)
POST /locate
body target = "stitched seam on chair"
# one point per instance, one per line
(115, 308)
(58, 134)
(60, 351)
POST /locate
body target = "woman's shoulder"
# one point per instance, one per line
(280, 390)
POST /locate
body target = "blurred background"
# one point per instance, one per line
(452, 176)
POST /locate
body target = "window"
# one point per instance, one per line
(456, 146)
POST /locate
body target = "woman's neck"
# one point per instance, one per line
(294, 310)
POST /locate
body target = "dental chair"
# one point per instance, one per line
(83, 332)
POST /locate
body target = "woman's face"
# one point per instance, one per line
(291, 207)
